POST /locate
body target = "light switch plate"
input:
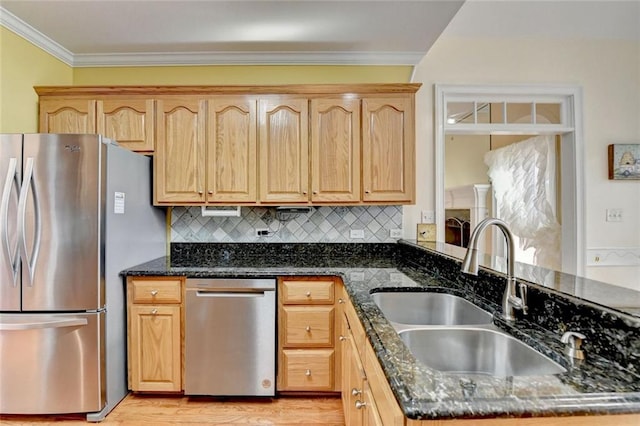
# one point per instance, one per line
(427, 232)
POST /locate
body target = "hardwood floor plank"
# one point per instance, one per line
(172, 410)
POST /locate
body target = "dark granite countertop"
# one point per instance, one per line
(607, 382)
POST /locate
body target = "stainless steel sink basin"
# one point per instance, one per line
(476, 351)
(426, 308)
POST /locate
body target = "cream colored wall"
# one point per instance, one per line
(464, 160)
(241, 74)
(22, 66)
(609, 74)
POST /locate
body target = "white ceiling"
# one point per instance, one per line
(139, 32)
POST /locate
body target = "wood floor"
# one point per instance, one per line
(157, 410)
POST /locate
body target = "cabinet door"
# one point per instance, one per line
(388, 153)
(179, 162)
(353, 385)
(67, 116)
(154, 348)
(129, 122)
(231, 150)
(335, 150)
(284, 150)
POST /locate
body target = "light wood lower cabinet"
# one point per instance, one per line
(308, 358)
(155, 333)
(366, 396)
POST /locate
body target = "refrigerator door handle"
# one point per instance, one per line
(40, 323)
(29, 183)
(13, 256)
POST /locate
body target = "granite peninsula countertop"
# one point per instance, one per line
(597, 386)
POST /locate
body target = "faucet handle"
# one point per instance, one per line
(574, 341)
(523, 297)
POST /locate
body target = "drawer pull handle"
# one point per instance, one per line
(308, 328)
(154, 292)
(355, 392)
(154, 312)
(342, 338)
(308, 294)
(307, 373)
(360, 404)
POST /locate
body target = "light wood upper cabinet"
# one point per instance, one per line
(67, 116)
(388, 149)
(231, 150)
(179, 162)
(335, 150)
(284, 150)
(128, 121)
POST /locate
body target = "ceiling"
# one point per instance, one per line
(146, 32)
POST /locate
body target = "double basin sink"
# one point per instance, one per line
(450, 334)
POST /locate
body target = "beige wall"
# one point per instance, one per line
(464, 159)
(609, 74)
(241, 74)
(22, 66)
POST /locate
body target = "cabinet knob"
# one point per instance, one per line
(360, 404)
(210, 192)
(315, 192)
(308, 294)
(356, 392)
(307, 373)
(154, 312)
(342, 338)
(154, 292)
(308, 328)
(341, 301)
(304, 192)
(200, 192)
(367, 192)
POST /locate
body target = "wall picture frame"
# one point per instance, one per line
(624, 161)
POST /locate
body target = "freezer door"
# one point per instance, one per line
(60, 222)
(10, 175)
(51, 363)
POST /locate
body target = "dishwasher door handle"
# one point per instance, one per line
(249, 294)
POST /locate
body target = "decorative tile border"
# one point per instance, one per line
(323, 224)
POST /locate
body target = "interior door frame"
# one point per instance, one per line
(572, 146)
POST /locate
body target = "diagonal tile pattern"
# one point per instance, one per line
(323, 224)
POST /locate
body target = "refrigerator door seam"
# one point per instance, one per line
(22, 211)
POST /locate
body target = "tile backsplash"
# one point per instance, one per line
(322, 224)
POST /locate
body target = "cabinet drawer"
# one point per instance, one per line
(307, 326)
(308, 369)
(307, 292)
(156, 291)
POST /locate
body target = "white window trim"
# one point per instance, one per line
(571, 129)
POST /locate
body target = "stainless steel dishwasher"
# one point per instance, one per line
(230, 337)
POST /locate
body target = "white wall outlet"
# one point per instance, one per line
(395, 233)
(357, 234)
(614, 215)
(428, 216)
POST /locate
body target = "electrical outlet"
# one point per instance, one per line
(614, 215)
(428, 216)
(357, 234)
(395, 233)
(262, 232)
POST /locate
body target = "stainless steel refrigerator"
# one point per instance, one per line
(74, 211)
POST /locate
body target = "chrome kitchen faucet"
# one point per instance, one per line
(510, 301)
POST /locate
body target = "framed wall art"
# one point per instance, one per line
(624, 161)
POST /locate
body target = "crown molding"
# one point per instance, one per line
(247, 58)
(18, 26)
(26, 31)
